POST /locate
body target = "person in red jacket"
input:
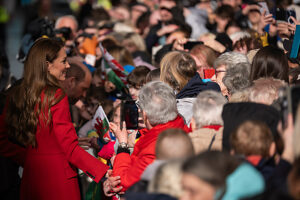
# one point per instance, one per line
(37, 117)
(158, 104)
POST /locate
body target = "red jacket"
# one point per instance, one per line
(131, 167)
(50, 168)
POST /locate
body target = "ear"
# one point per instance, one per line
(144, 116)
(193, 124)
(49, 65)
(72, 82)
(272, 149)
(146, 121)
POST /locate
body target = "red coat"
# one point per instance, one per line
(50, 168)
(131, 167)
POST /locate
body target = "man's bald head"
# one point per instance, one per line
(173, 144)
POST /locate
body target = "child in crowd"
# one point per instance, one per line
(136, 79)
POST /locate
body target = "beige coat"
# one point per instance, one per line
(202, 138)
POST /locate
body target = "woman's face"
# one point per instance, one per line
(195, 188)
(59, 66)
(254, 17)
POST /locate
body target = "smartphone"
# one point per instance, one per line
(289, 14)
(264, 6)
(129, 114)
(289, 98)
(280, 15)
(208, 73)
(285, 109)
(190, 44)
(285, 15)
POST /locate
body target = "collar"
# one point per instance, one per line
(254, 159)
(215, 127)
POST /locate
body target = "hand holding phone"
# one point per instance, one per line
(120, 133)
(264, 7)
(129, 114)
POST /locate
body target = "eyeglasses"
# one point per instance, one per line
(165, 8)
(137, 103)
(218, 71)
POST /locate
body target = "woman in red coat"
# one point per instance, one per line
(37, 116)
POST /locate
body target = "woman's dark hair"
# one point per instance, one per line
(26, 108)
(270, 62)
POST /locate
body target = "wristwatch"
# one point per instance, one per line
(123, 148)
(123, 145)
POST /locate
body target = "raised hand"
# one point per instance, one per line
(167, 29)
(121, 135)
(264, 21)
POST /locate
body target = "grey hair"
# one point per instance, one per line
(265, 90)
(237, 77)
(64, 17)
(207, 108)
(230, 59)
(158, 101)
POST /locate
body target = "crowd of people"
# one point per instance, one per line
(212, 88)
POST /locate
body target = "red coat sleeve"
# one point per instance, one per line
(9, 149)
(66, 136)
(130, 168)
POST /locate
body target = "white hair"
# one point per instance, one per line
(58, 21)
(230, 59)
(158, 101)
(207, 108)
(265, 90)
(239, 35)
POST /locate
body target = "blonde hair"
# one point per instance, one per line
(176, 69)
(209, 54)
(121, 54)
(136, 40)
